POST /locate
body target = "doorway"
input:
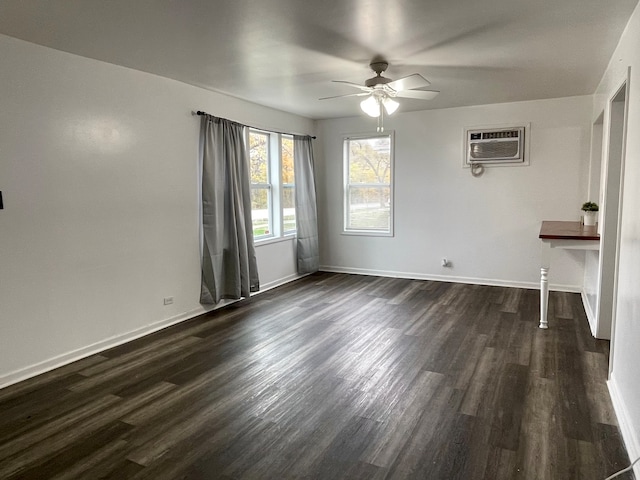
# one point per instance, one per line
(610, 215)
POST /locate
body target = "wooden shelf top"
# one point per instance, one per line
(568, 231)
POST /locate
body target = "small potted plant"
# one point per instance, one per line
(590, 216)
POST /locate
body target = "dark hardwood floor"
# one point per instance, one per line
(332, 377)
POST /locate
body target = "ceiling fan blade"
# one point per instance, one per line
(351, 84)
(409, 82)
(361, 94)
(419, 94)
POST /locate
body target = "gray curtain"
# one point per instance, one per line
(306, 209)
(229, 268)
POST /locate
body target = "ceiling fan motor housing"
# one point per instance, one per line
(379, 68)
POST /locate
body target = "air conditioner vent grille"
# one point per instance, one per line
(482, 151)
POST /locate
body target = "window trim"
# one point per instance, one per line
(346, 185)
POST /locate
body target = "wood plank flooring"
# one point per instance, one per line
(332, 377)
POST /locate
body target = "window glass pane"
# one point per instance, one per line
(370, 160)
(369, 208)
(259, 157)
(260, 211)
(271, 158)
(288, 208)
(288, 188)
(368, 199)
(287, 161)
(260, 195)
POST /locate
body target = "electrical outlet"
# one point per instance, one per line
(168, 301)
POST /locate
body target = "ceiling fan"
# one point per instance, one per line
(381, 91)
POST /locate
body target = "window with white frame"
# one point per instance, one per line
(272, 184)
(288, 185)
(261, 191)
(368, 186)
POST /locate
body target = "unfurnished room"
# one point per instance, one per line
(319, 240)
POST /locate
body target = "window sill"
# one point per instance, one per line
(269, 241)
(367, 233)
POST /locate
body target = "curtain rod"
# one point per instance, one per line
(201, 113)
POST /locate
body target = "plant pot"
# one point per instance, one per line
(590, 219)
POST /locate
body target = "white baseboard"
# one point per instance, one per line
(280, 281)
(629, 435)
(80, 353)
(447, 278)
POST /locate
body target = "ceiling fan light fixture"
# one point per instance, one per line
(390, 105)
(371, 106)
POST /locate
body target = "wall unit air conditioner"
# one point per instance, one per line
(488, 146)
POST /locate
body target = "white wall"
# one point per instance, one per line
(624, 380)
(98, 169)
(488, 226)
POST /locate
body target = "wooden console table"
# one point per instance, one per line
(567, 235)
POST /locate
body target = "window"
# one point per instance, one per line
(288, 185)
(368, 191)
(261, 193)
(272, 184)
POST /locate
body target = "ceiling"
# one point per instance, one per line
(284, 53)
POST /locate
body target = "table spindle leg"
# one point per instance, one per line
(544, 296)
